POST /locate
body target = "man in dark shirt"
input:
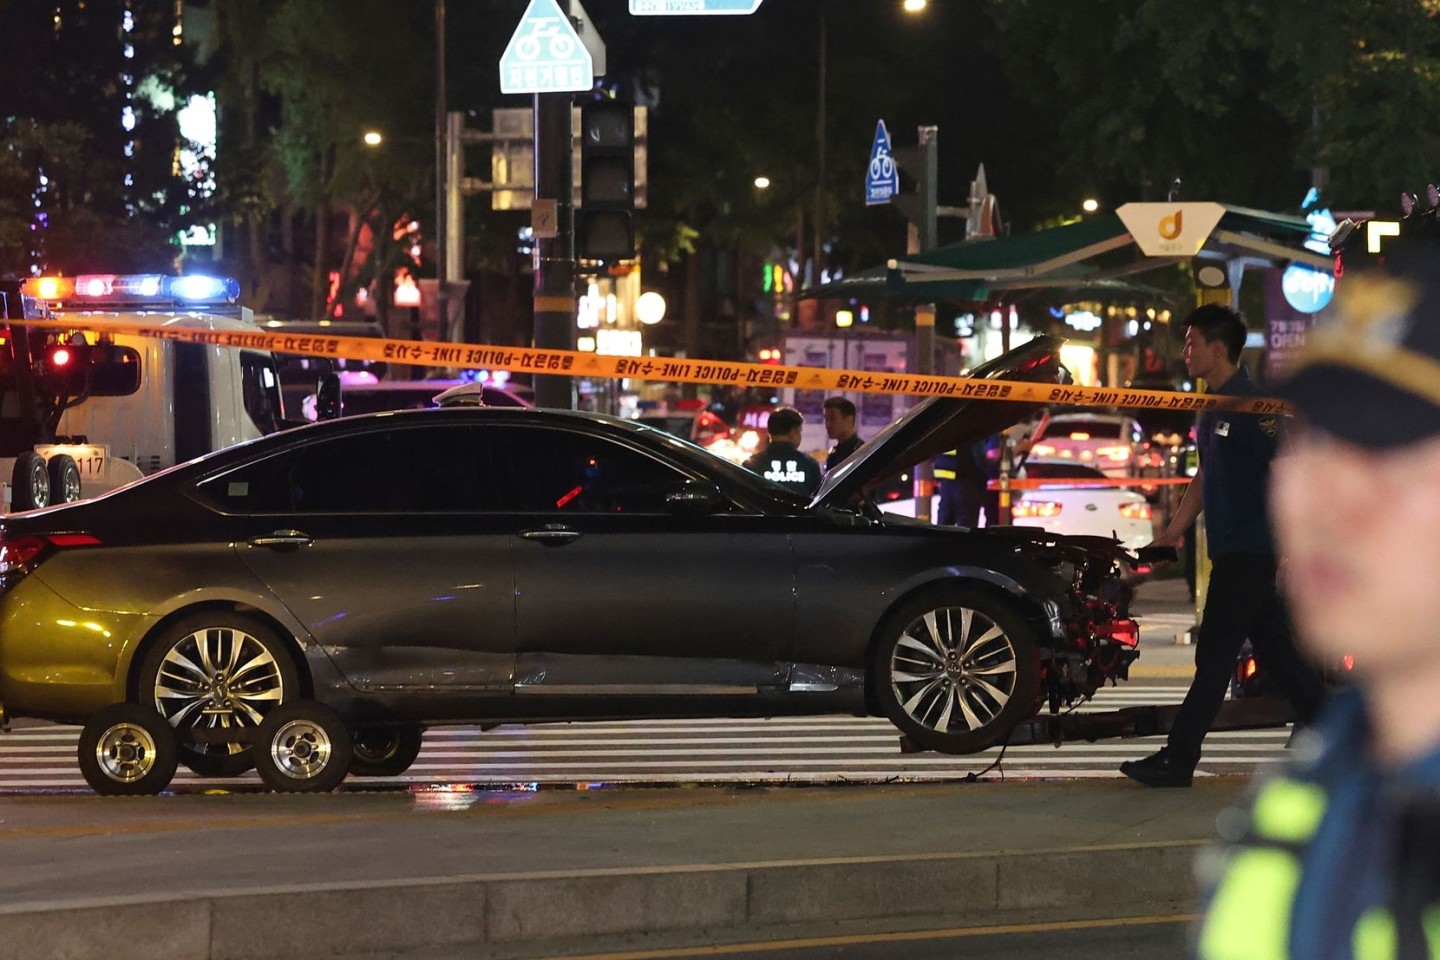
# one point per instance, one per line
(781, 462)
(1231, 486)
(840, 427)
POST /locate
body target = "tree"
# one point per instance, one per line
(341, 68)
(89, 137)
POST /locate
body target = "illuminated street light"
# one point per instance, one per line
(373, 138)
(762, 183)
(650, 307)
(914, 6)
(1090, 205)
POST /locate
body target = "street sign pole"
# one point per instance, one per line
(554, 256)
(922, 161)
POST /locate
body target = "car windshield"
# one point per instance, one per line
(1062, 471)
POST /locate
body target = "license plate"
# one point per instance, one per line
(89, 457)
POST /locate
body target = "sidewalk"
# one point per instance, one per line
(237, 877)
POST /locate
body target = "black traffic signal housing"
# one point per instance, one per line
(604, 224)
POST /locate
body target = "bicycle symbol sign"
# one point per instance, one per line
(545, 54)
(882, 179)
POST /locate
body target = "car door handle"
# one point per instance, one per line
(552, 535)
(282, 540)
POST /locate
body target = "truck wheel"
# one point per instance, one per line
(955, 669)
(30, 482)
(302, 747)
(127, 750)
(64, 478)
(384, 751)
(217, 670)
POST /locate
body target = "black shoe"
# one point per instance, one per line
(1163, 769)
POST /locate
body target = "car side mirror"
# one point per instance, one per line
(327, 397)
(697, 497)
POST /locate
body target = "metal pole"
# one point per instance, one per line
(819, 225)
(924, 240)
(441, 161)
(454, 265)
(555, 256)
(440, 151)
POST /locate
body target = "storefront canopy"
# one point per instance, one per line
(1089, 257)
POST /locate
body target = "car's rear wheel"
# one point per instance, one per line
(302, 747)
(29, 482)
(955, 669)
(127, 750)
(64, 475)
(384, 751)
(213, 672)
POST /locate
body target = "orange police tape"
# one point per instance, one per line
(576, 363)
(1070, 484)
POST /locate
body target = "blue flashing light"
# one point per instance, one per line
(201, 288)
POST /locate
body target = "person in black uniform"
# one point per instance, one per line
(840, 427)
(1242, 601)
(781, 461)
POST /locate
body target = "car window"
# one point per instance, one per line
(562, 471)
(1095, 429)
(399, 470)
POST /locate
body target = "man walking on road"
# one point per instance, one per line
(840, 427)
(1231, 486)
(1341, 857)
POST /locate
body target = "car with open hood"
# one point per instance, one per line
(479, 564)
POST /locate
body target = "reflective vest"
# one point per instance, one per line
(1251, 910)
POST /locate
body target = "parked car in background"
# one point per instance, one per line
(359, 579)
(1071, 508)
(1109, 442)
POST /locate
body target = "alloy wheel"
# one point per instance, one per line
(953, 669)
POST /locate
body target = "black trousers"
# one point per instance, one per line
(1242, 602)
(960, 502)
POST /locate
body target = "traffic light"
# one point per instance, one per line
(604, 229)
(922, 163)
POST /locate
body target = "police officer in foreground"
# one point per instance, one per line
(781, 461)
(1341, 857)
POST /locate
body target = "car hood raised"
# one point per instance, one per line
(939, 424)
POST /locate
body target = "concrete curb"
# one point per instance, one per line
(309, 921)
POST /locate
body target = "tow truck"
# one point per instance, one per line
(85, 409)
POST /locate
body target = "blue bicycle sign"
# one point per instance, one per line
(882, 179)
(545, 54)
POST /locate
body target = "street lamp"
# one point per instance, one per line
(373, 138)
(1090, 205)
(762, 183)
(914, 6)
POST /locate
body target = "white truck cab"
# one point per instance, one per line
(106, 407)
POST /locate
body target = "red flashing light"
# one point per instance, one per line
(574, 492)
(1348, 662)
(59, 357)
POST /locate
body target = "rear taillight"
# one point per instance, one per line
(20, 554)
(1135, 511)
(1125, 632)
(1035, 509)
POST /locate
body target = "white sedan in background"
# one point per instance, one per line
(1070, 507)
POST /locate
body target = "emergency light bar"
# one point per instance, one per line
(134, 289)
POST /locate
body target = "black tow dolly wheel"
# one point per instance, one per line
(127, 750)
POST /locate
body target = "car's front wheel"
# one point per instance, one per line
(955, 669)
(213, 672)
